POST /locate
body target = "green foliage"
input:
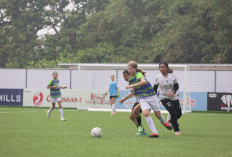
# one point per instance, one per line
(109, 31)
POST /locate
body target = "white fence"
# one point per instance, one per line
(199, 81)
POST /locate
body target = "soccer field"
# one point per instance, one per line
(26, 132)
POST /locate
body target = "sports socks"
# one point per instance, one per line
(138, 120)
(113, 108)
(49, 111)
(162, 120)
(151, 124)
(61, 113)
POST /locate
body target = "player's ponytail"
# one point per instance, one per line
(134, 65)
(166, 64)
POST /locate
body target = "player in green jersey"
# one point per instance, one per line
(55, 95)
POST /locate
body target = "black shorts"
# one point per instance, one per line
(136, 105)
(113, 97)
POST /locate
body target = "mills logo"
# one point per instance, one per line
(38, 98)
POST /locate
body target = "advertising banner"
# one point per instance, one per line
(70, 98)
(197, 101)
(219, 101)
(12, 97)
(98, 99)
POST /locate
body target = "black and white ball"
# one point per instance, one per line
(96, 132)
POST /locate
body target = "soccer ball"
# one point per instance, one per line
(96, 132)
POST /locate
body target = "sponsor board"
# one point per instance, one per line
(197, 101)
(97, 99)
(69, 98)
(13, 97)
(219, 102)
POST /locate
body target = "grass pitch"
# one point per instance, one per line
(26, 132)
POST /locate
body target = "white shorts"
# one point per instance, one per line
(54, 100)
(151, 103)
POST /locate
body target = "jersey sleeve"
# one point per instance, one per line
(50, 83)
(174, 78)
(156, 81)
(139, 75)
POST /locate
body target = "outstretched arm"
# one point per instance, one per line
(127, 97)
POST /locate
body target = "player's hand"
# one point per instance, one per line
(65, 87)
(129, 86)
(170, 94)
(121, 101)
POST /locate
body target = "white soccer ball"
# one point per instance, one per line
(96, 132)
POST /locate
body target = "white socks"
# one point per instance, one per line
(49, 112)
(168, 117)
(162, 120)
(61, 113)
(151, 124)
(113, 108)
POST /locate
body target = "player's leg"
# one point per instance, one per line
(113, 105)
(137, 110)
(51, 108)
(154, 103)
(60, 109)
(146, 111)
(177, 108)
(168, 104)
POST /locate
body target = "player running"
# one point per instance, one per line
(168, 87)
(135, 115)
(146, 96)
(55, 95)
(113, 89)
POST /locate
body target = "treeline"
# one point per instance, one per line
(114, 31)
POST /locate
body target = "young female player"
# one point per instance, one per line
(168, 87)
(136, 109)
(146, 96)
(55, 95)
(113, 89)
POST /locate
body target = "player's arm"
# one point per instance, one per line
(155, 87)
(141, 83)
(50, 85)
(175, 88)
(63, 87)
(127, 97)
(107, 90)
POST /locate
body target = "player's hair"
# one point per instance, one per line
(126, 72)
(166, 64)
(54, 72)
(134, 64)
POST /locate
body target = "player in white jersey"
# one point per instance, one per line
(168, 86)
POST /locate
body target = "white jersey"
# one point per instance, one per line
(166, 84)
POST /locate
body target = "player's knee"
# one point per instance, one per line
(158, 114)
(146, 113)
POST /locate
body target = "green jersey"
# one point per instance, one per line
(141, 91)
(54, 93)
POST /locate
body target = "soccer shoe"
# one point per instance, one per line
(153, 136)
(140, 129)
(141, 133)
(167, 126)
(48, 115)
(113, 113)
(177, 133)
(62, 119)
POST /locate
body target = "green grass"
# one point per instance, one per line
(25, 132)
